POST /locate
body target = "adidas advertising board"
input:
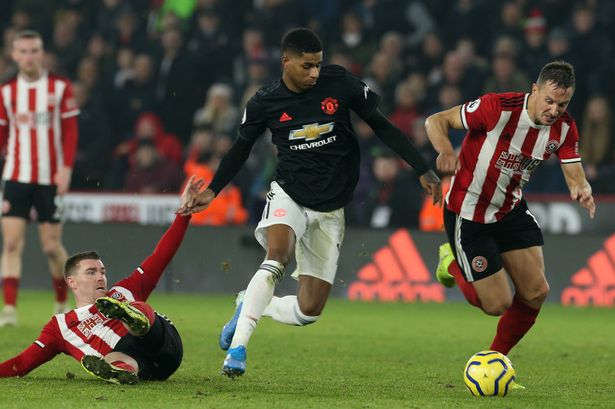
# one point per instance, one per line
(375, 264)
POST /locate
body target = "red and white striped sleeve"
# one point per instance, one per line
(4, 124)
(68, 117)
(143, 280)
(481, 114)
(568, 151)
(42, 350)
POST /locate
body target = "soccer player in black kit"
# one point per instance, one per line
(308, 113)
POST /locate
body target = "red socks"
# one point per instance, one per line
(59, 288)
(513, 325)
(466, 288)
(145, 309)
(9, 288)
(123, 365)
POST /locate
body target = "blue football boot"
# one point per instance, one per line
(228, 330)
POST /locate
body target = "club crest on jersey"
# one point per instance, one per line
(310, 132)
(117, 296)
(473, 106)
(329, 105)
(479, 264)
(279, 212)
(552, 146)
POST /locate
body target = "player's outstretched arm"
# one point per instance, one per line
(144, 279)
(41, 351)
(397, 141)
(31, 358)
(437, 126)
(579, 187)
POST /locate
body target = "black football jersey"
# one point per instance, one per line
(318, 153)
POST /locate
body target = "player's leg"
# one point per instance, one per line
(158, 353)
(49, 209)
(50, 235)
(115, 367)
(137, 316)
(280, 244)
(526, 268)
(13, 240)
(16, 204)
(476, 264)
(520, 240)
(283, 222)
(317, 254)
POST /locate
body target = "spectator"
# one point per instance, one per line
(152, 173)
(203, 159)
(405, 111)
(505, 77)
(535, 33)
(355, 40)
(218, 112)
(175, 84)
(94, 145)
(393, 198)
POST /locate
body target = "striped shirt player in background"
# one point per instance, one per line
(492, 233)
(113, 332)
(38, 131)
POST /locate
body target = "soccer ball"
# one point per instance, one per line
(489, 373)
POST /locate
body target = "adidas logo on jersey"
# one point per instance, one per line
(595, 283)
(285, 117)
(397, 272)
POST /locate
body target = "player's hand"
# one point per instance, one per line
(193, 200)
(62, 179)
(432, 185)
(447, 163)
(584, 196)
(193, 187)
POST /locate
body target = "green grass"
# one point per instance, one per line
(360, 355)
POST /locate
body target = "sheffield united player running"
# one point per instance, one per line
(491, 233)
(38, 129)
(308, 113)
(113, 332)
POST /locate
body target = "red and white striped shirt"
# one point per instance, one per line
(38, 121)
(85, 331)
(500, 152)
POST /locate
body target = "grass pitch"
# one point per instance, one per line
(360, 355)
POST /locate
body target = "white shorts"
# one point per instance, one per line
(318, 235)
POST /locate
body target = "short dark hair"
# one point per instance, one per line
(560, 73)
(301, 40)
(29, 34)
(71, 263)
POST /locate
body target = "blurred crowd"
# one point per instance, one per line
(161, 84)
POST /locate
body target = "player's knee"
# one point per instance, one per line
(281, 255)
(538, 294)
(51, 249)
(13, 247)
(496, 308)
(311, 308)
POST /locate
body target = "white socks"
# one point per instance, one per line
(286, 310)
(258, 296)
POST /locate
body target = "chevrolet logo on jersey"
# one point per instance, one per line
(310, 131)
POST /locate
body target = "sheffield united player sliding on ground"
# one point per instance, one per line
(308, 113)
(491, 233)
(38, 130)
(113, 332)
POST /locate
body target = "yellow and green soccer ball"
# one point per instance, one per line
(489, 373)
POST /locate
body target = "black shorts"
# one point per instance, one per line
(158, 353)
(19, 198)
(478, 246)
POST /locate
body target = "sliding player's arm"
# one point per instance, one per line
(41, 351)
